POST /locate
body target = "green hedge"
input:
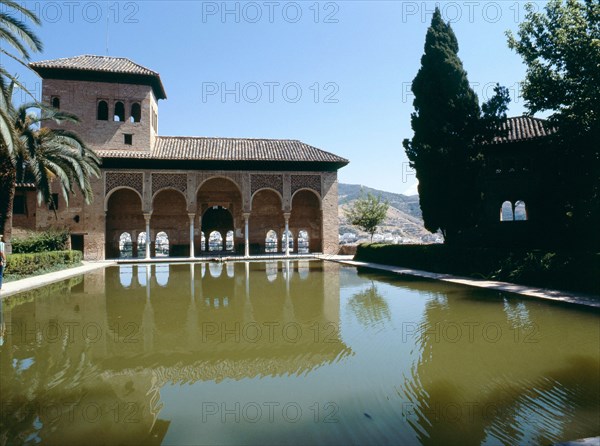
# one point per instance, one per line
(573, 270)
(28, 264)
(52, 240)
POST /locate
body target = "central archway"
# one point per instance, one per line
(219, 203)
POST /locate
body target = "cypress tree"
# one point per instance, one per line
(446, 122)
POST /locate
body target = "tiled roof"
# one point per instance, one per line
(521, 128)
(100, 66)
(95, 63)
(228, 149)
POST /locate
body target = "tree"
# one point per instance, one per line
(15, 34)
(43, 156)
(448, 129)
(367, 213)
(561, 47)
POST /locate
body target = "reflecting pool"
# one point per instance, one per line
(291, 352)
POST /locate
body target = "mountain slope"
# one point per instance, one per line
(403, 222)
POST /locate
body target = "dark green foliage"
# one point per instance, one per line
(53, 240)
(576, 270)
(560, 46)
(29, 264)
(448, 127)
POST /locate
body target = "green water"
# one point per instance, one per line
(291, 352)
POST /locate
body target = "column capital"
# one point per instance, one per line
(147, 215)
(246, 215)
(287, 215)
(192, 215)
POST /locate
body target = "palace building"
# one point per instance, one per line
(236, 194)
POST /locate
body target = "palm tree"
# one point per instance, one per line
(45, 156)
(17, 36)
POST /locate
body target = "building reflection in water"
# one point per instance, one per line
(122, 334)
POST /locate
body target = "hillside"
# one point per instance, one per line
(403, 223)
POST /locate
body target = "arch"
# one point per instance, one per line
(271, 241)
(102, 111)
(136, 112)
(303, 242)
(215, 241)
(219, 201)
(307, 216)
(116, 189)
(229, 241)
(123, 214)
(290, 241)
(119, 115)
(141, 243)
(219, 177)
(56, 102)
(125, 246)
(506, 211)
(308, 189)
(161, 244)
(168, 189)
(263, 189)
(170, 215)
(521, 211)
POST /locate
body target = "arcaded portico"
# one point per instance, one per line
(180, 196)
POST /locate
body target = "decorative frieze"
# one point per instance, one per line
(261, 181)
(176, 181)
(133, 180)
(306, 182)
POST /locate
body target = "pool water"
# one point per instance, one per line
(292, 352)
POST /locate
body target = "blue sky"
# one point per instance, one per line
(335, 75)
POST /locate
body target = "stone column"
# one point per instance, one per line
(192, 217)
(246, 235)
(286, 216)
(147, 218)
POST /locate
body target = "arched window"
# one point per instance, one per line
(125, 246)
(162, 244)
(215, 241)
(119, 112)
(506, 212)
(290, 241)
(141, 241)
(271, 241)
(229, 241)
(56, 103)
(136, 112)
(520, 211)
(102, 114)
(303, 242)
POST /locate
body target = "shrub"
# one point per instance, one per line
(28, 264)
(52, 240)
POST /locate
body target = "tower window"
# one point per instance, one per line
(119, 112)
(53, 204)
(19, 205)
(128, 139)
(56, 102)
(102, 114)
(136, 112)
